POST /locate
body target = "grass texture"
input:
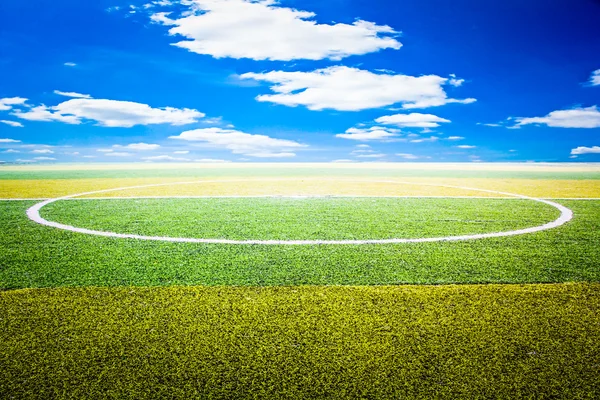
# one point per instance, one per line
(238, 185)
(301, 218)
(36, 256)
(495, 341)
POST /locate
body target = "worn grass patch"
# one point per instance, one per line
(32, 255)
(302, 218)
(498, 341)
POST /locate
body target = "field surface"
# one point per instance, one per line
(97, 317)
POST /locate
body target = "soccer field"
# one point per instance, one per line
(313, 281)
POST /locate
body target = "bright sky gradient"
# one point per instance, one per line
(291, 80)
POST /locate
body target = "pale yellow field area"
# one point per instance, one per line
(364, 186)
(514, 167)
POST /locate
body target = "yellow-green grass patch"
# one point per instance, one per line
(15, 189)
(471, 341)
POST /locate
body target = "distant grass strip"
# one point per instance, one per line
(301, 219)
(32, 255)
(499, 341)
(351, 185)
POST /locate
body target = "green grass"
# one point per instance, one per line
(358, 172)
(498, 341)
(36, 256)
(301, 219)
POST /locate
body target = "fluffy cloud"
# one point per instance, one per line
(138, 146)
(70, 64)
(110, 113)
(595, 78)
(42, 151)
(181, 152)
(12, 123)
(259, 146)
(9, 141)
(11, 151)
(351, 89)
(574, 118)
(118, 154)
(466, 146)
(73, 94)
(455, 138)
(377, 155)
(8, 103)
(373, 133)
(211, 161)
(44, 158)
(414, 120)
(585, 150)
(262, 30)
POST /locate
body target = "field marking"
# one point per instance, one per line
(566, 215)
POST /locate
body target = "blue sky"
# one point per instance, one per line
(295, 81)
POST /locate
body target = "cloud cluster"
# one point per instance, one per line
(263, 30)
(413, 120)
(574, 118)
(585, 150)
(351, 89)
(109, 113)
(8, 103)
(380, 133)
(259, 146)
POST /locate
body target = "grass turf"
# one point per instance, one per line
(495, 341)
(301, 219)
(238, 185)
(36, 256)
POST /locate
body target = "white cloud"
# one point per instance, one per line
(12, 123)
(262, 30)
(424, 140)
(8, 103)
(342, 161)
(407, 156)
(138, 146)
(454, 81)
(181, 152)
(24, 161)
(118, 154)
(351, 89)
(466, 146)
(455, 138)
(260, 146)
(73, 94)
(164, 158)
(42, 151)
(373, 133)
(212, 161)
(371, 156)
(110, 113)
(44, 158)
(586, 150)
(89, 157)
(74, 153)
(105, 150)
(574, 118)
(413, 120)
(492, 125)
(363, 146)
(9, 141)
(70, 64)
(11, 151)
(595, 78)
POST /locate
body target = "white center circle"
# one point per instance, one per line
(566, 215)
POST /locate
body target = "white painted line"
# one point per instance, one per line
(565, 216)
